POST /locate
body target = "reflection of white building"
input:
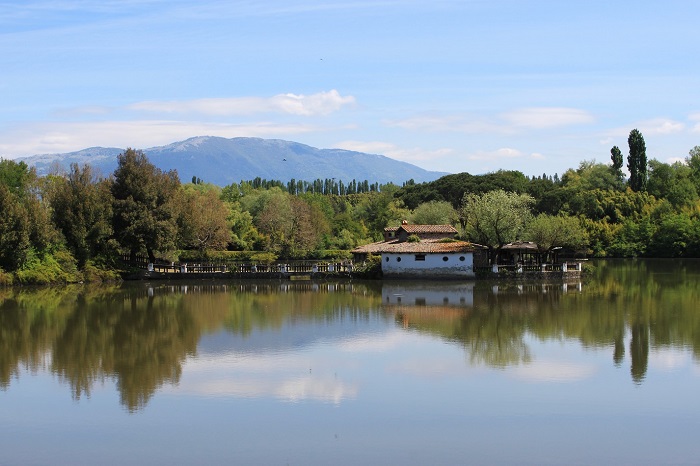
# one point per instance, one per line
(425, 251)
(435, 294)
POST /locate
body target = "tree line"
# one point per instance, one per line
(72, 224)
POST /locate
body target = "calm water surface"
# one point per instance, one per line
(602, 371)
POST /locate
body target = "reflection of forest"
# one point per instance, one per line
(649, 303)
(140, 336)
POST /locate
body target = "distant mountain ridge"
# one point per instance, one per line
(223, 161)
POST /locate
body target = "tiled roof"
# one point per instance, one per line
(423, 247)
(418, 229)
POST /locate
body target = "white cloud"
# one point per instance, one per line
(414, 155)
(322, 103)
(652, 127)
(695, 117)
(64, 137)
(660, 126)
(547, 117)
(503, 153)
(462, 124)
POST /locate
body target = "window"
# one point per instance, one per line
(461, 258)
(445, 258)
(387, 258)
(420, 257)
(398, 259)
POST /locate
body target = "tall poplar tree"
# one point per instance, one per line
(637, 161)
(617, 162)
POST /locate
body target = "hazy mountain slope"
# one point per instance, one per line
(223, 161)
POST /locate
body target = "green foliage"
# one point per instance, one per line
(435, 213)
(495, 218)
(145, 205)
(451, 188)
(556, 231)
(82, 211)
(637, 161)
(203, 222)
(14, 230)
(672, 182)
(17, 177)
(370, 268)
(413, 239)
(47, 269)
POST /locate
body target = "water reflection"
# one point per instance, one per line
(255, 339)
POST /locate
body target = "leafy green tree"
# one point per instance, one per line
(637, 161)
(145, 205)
(16, 176)
(377, 210)
(25, 228)
(550, 231)
(588, 176)
(693, 162)
(82, 211)
(435, 213)
(14, 230)
(495, 218)
(203, 221)
(672, 182)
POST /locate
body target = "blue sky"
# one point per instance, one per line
(471, 85)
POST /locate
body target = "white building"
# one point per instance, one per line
(425, 251)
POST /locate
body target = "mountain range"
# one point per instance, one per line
(223, 161)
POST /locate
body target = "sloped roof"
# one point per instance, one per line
(422, 247)
(418, 229)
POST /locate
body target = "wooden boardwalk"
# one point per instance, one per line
(282, 269)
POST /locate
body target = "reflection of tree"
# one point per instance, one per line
(151, 340)
(494, 337)
(139, 340)
(29, 321)
(639, 351)
(141, 336)
(663, 294)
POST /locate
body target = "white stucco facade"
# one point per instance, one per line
(440, 264)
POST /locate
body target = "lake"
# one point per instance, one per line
(602, 370)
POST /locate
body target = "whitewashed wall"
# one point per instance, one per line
(428, 293)
(395, 265)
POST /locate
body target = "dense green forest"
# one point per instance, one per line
(74, 226)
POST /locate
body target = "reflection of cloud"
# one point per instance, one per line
(429, 368)
(553, 371)
(293, 389)
(374, 342)
(668, 360)
(284, 377)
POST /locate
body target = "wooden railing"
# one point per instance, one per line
(531, 268)
(289, 267)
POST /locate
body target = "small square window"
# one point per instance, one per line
(420, 257)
